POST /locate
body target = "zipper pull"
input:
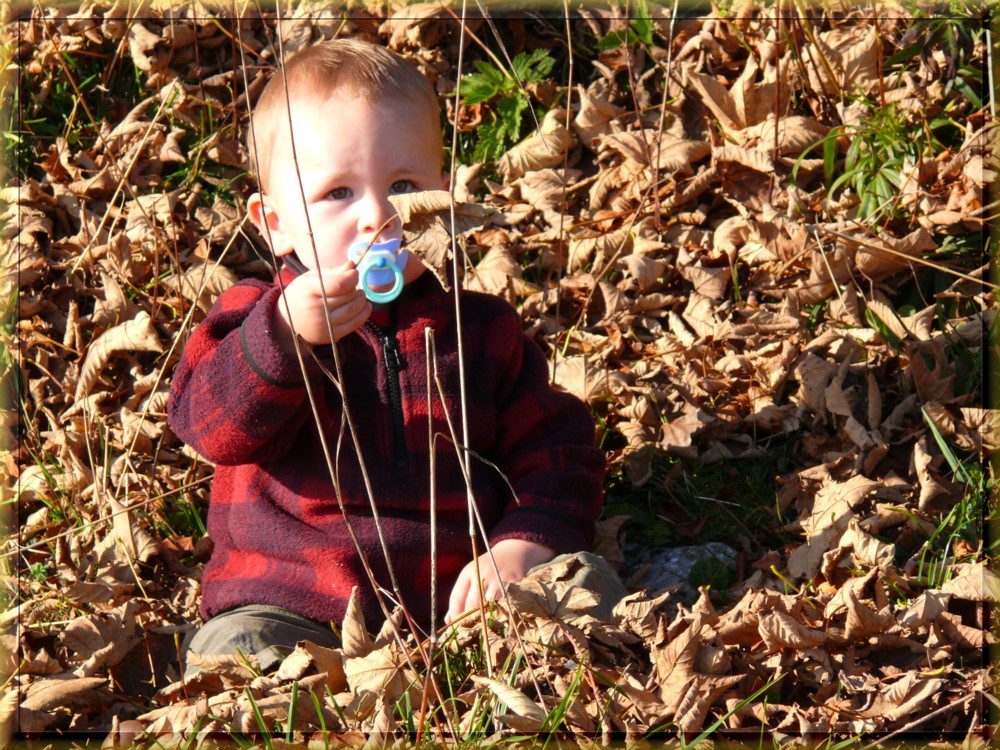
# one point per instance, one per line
(391, 354)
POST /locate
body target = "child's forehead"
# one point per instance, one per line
(329, 104)
(338, 107)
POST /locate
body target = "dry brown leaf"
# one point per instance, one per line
(546, 147)
(382, 672)
(66, 690)
(752, 158)
(780, 630)
(932, 374)
(868, 551)
(114, 306)
(137, 543)
(235, 670)
(147, 49)
(697, 697)
(864, 621)
(9, 717)
(516, 701)
(427, 218)
(326, 661)
(925, 609)
(636, 612)
(181, 718)
(711, 283)
(962, 635)
(792, 135)
(674, 658)
(41, 663)
(596, 112)
(202, 284)
(687, 695)
(645, 269)
(830, 516)
(547, 188)
(499, 273)
(585, 377)
(835, 499)
(677, 436)
(879, 264)
(746, 103)
(975, 582)
(844, 61)
(555, 608)
(354, 632)
(874, 402)
(836, 400)
(905, 697)
(887, 315)
(104, 640)
(417, 211)
(650, 148)
(136, 335)
(929, 486)
(417, 25)
(597, 249)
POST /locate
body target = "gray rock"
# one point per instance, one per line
(672, 568)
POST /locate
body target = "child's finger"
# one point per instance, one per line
(350, 316)
(358, 319)
(335, 281)
(336, 302)
(459, 595)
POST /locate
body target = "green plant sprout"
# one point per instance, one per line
(640, 29)
(510, 100)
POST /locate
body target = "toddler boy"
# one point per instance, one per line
(363, 125)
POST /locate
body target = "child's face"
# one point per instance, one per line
(352, 155)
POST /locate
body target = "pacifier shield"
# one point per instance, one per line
(381, 271)
(382, 265)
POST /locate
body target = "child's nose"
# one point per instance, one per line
(375, 211)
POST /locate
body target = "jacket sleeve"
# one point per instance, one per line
(546, 449)
(236, 396)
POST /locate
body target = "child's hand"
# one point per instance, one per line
(345, 306)
(514, 558)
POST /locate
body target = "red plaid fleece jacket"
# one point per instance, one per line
(280, 537)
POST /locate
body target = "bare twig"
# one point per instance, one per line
(923, 718)
(463, 398)
(331, 467)
(896, 253)
(375, 237)
(103, 520)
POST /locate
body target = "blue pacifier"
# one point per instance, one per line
(381, 265)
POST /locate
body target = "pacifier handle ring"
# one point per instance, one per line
(391, 294)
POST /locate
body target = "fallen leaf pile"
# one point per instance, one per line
(668, 228)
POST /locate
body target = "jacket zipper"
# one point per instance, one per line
(393, 364)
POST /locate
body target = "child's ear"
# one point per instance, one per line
(265, 217)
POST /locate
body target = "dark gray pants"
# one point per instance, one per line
(270, 633)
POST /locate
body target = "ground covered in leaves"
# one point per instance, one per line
(753, 241)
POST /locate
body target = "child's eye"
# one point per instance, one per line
(339, 194)
(402, 186)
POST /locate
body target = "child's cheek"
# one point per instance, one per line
(414, 269)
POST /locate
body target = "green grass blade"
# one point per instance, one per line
(949, 455)
(718, 722)
(291, 712)
(259, 717)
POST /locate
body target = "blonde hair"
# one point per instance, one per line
(360, 68)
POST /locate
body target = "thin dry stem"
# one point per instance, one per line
(912, 258)
(331, 468)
